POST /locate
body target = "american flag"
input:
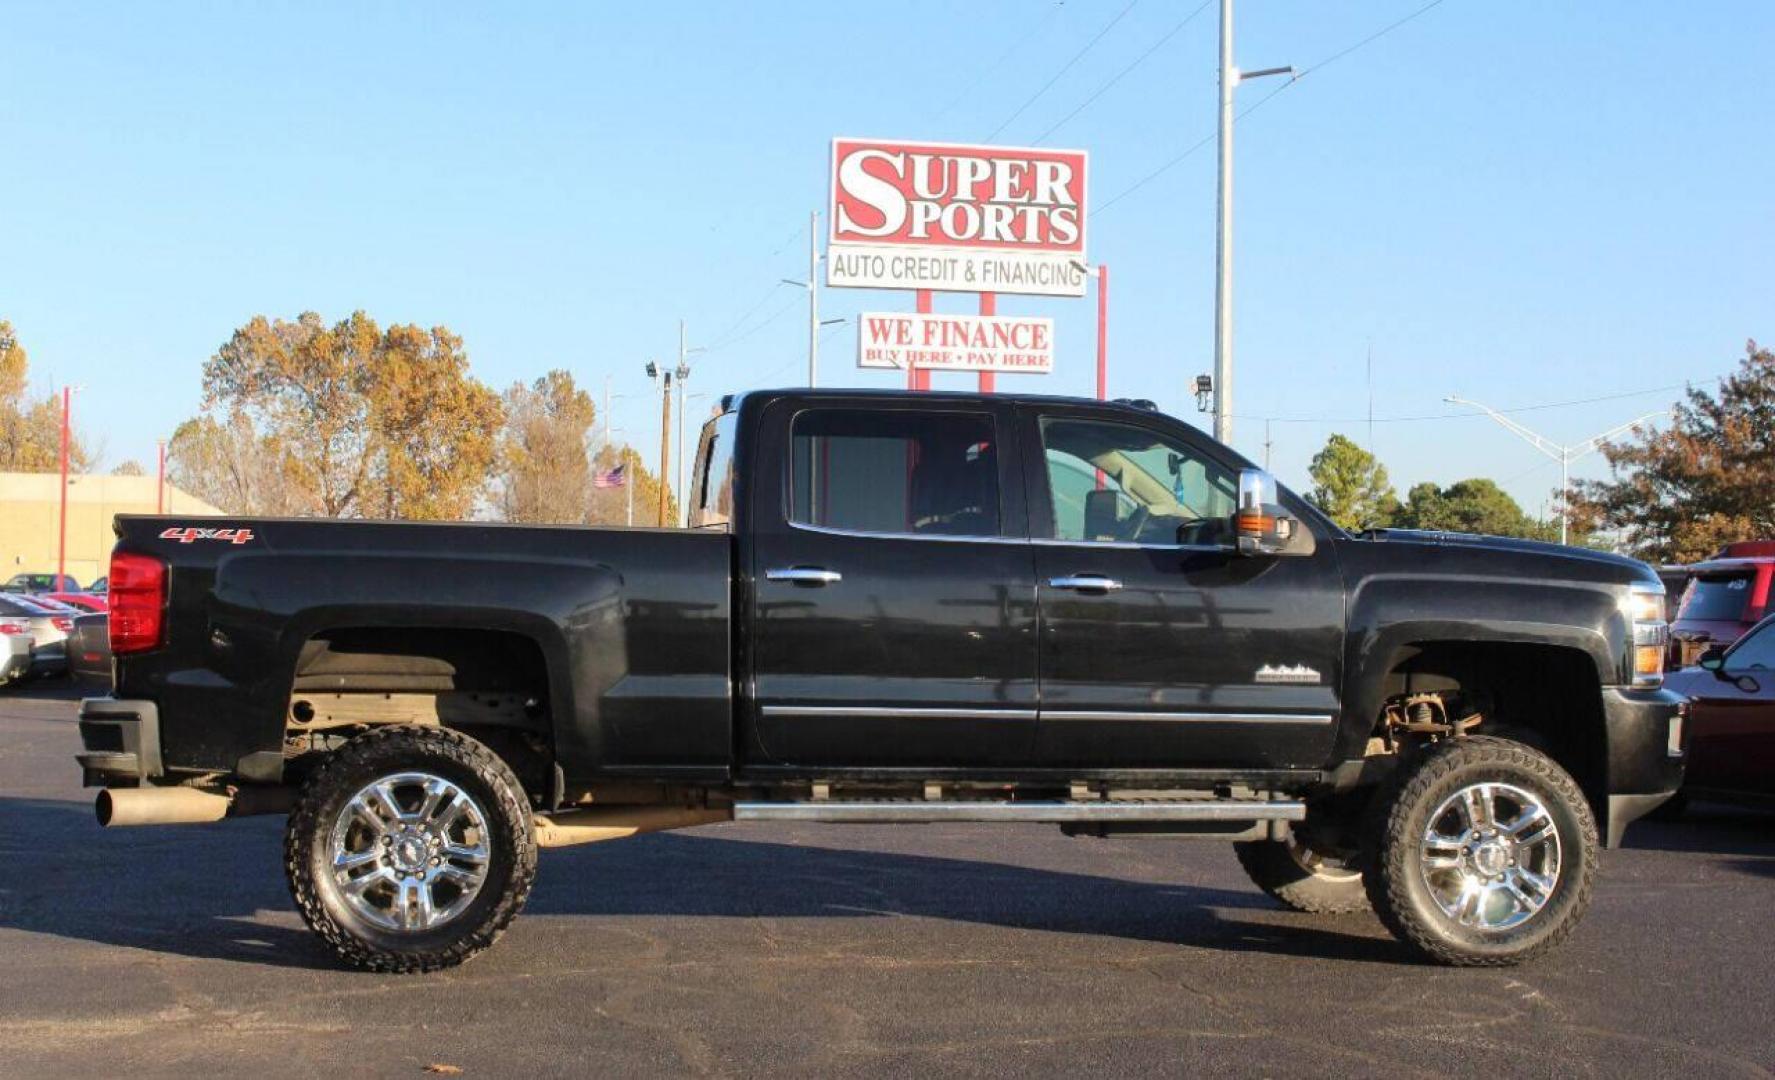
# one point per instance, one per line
(612, 479)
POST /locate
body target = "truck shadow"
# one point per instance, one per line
(205, 893)
(1715, 829)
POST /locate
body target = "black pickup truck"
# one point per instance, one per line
(898, 608)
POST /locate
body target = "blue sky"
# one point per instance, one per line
(1525, 203)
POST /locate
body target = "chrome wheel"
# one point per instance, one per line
(1491, 856)
(409, 851)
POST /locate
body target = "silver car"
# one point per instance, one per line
(50, 625)
(15, 650)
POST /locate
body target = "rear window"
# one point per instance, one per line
(917, 473)
(1717, 598)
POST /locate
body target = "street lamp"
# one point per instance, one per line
(61, 546)
(1565, 455)
(1230, 77)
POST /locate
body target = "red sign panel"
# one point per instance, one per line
(950, 217)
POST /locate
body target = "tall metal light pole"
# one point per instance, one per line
(1565, 455)
(1230, 78)
(812, 285)
(61, 544)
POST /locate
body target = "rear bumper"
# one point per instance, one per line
(1647, 752)
(120, 742)
(14, 665)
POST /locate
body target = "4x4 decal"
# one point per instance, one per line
(189, 535)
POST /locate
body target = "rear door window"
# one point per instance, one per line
(1717, 598)
(915, 473)
(1756, 652)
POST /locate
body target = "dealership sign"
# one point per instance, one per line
(951, 218)
(955, 342)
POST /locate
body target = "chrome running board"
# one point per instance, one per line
(915, 812)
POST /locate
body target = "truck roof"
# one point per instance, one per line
(1138, 406)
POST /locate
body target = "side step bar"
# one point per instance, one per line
(914, 812)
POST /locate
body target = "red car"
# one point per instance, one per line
(88, 602)
(1732, 719)
(1726, 596)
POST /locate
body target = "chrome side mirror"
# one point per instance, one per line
(1261, 525)
(1714, 660)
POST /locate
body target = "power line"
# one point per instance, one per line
(980, 77)
(1369, 40)
(1474, 415)
(1064, 68)
(1117, 77)
(1261, 102)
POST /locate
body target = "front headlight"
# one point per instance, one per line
(1644, 607)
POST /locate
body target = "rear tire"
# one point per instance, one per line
(1484, 853)
(1302, 879)
(410, 849)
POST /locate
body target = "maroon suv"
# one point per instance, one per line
(1726, 596)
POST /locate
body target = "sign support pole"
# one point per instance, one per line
(988, 306)
(1102, 332)
(917, 379)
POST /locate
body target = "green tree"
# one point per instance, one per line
(361, 422)
(1678, 494)
(1350, 486)
(1468, 506)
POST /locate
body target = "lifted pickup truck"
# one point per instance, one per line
(898, 608)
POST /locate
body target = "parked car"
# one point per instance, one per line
(50, 624)
(89, 648)
(85, 601)
(898, 608)
(1731, 720)
(15, 650)
(40, 583)
(1726, 596)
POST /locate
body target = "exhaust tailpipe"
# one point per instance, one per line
(617, 822)
(185, 805)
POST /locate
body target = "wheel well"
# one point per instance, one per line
(490, 684)
(1548, 696)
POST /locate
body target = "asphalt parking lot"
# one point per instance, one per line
(746, 950)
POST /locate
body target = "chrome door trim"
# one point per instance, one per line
(935, 713)
(1085, 583)
(1187, 717)
(865, 534)
(804, 575)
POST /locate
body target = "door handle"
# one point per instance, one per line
(804, 575)
(1085, 583)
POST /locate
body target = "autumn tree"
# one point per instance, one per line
(610, 506)
(1679, 494)
(360, 422)
(545, 463)
(131, 467)
(225, 462)
(1350, 486)
(31, 432)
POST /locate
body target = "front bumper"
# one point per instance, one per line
(1647, 737)
(120, 740)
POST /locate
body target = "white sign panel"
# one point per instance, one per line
(951, 218)
(955, 342)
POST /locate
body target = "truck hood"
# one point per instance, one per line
(1554, 553)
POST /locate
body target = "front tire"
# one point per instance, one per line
(410, 849)
(1484, 855)
(1301, 878)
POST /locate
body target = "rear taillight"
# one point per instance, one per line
(63, 623)
(138, 602)
(19, 628)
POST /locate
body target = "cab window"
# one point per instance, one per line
(914, 473)
(1117, 483)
